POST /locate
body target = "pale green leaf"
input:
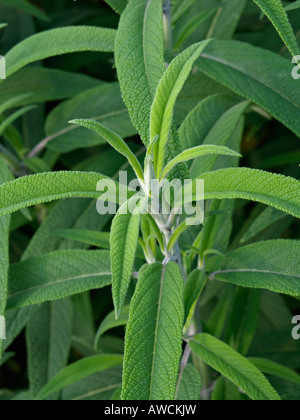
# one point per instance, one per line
(115, 141)
(57, 275)
(276, 13)
(195, 152)
(277, 191)
(241, 67)
(179, 7)
(5, 175)
(140, 59)
(57, 42)
(123, 245)
(166, 94)
(226, 19)
(272, 265)
(155, 330)
(79, 370)
(233, 366)
(43, 188)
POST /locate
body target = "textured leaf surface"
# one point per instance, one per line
(239, 67)
(79, 370)
(56, 275)
(123, 244)
(166, 94)
(154, 335)
(59, 41)
(233, 366)
(117, 5)
(274, 190)
(272, 265)
(140, 59)
(196, 152)
(5, 175)
(115, 141)
(42, 188)
(276, 13)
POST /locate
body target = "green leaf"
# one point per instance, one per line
(49, 334)
(274, 190)
(110, 322)
(79, 370)
(195, 152)
(189, 385)
(271, 265)
(3, 25)
(262, 222)
(97, 387)
(279, 18)
(89, 237)
(103, 104)
(43, 188)
(25, 6)
(271, 368)
(57, 275)
(239, 67)
(123, 245)
(155, 329)
(179, 7)
(5, 175)
(166, 94)
(226, 19)
(117, 5)
(192, 292)
(39, 84)
(293, 6)
(115, 141)
(233, 366)
(14, 117)
(139, 54)
(59, 41)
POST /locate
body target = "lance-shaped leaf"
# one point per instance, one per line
(140, 59)
(239, 67)
(5, 175)
(293, 6)
(123, 245)
(275, 369)
(196, 152)
(110, 322)
(26, 7)
(115, 141)
(278, 16)
(272, 265)
(46, 187)
(57, 275)
(117, 5)
(166, 94)
(59, 41)
(179, 7)
(48, 337)
(233, 366)
(155, 330)
(189, 384)
(274, 190)
(79, 370)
